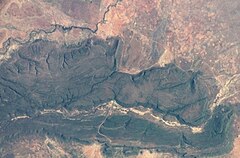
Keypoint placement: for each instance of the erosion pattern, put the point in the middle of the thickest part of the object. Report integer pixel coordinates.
(44, 75)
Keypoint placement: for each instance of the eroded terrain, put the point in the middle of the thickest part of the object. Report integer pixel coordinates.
(117, 78)
(44, 75)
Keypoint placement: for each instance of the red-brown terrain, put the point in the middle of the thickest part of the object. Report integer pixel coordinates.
(197, 35)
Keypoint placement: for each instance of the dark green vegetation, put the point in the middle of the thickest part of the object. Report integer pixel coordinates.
(215, 139)
(42, 75)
